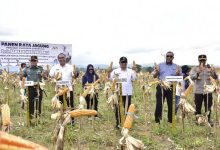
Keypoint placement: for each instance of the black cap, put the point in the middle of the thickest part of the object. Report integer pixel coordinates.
(202, 57)
(33, 57)
(185, 69)
(123, 60)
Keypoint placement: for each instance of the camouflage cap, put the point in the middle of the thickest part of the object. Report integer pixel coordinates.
(34, 58)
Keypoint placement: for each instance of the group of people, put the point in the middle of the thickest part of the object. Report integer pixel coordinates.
(199, 74)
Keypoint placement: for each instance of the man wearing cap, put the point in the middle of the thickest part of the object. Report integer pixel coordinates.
(164, 69)
(201, 75)
(125, 76)
(34, 73)
(67, 75)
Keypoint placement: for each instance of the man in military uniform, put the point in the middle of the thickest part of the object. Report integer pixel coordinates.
(34, 73)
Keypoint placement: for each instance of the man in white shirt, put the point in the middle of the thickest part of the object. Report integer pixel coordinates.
(67, 74)
(125, 76)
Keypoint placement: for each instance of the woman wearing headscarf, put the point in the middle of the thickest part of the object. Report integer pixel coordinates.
(90, 77)
(182, 86)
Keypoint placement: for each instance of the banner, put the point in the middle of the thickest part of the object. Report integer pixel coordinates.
(13, 53)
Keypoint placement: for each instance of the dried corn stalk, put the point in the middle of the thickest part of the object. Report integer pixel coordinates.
(186, 107)
(113, 99)
(127, 140)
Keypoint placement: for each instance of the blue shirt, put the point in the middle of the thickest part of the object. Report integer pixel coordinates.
(166, 70)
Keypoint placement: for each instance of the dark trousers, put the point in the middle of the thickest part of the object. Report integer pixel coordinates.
(116, 107)
(199, 98)
(168, 94)
(34, 100)
(70, 102)
(90, 104)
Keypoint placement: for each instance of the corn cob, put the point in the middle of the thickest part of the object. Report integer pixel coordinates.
(55, 102)
(22, 82)
(90, 87)
(42, 84)
(156, 67)
(113, 85)
(107, 87)
(74, 69)
(134, 66)
(62, 91)
(110, 67)
(8, 141)
(113, 99)
(188, 90)
(58, 75)
(130, 117)
(165, 85)
(20, 72)
(85, 93)
(154, 82)
(5, 111)
(82, 112)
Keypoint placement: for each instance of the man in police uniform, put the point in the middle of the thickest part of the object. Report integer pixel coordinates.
(201, 75)
(34, 73)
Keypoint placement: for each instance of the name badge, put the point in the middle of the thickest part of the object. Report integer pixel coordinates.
(122, 80)
(174, 78)
(29, 83)
(63, 83)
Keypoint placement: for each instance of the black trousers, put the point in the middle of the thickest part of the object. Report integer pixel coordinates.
(199, 98)
(34, 101)
(168, 94)
(89, 102)
(70, 102)
(116, 108)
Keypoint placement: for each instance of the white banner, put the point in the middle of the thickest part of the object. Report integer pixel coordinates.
(13, 53)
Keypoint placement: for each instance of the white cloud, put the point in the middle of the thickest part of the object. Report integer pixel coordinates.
(111, 29)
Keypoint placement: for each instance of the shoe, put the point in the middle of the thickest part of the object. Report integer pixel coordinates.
(117, 126)
(97, 118)
(211, 123)
(157, 121)
(72, 123)
(157, 125)
(90, 118)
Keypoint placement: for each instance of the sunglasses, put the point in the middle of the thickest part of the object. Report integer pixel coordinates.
(91, 69)
(34, 60)
(202, 60)
(169, 56)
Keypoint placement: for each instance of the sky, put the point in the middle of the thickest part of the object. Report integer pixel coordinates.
(102, 31)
